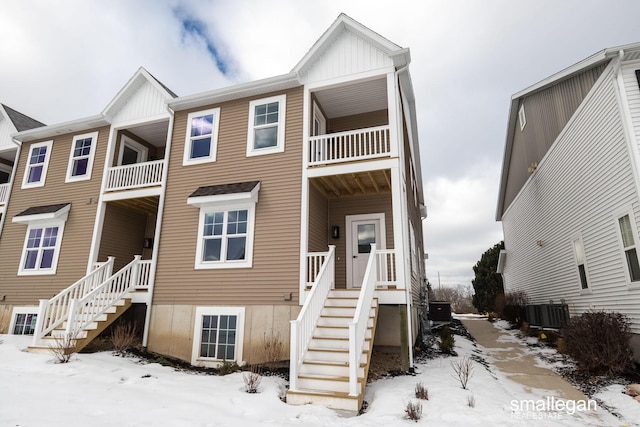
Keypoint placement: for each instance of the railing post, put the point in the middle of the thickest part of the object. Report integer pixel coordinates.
(37, 334)
(135, 271)
(354, 360)
(71, 318)
(293, 355)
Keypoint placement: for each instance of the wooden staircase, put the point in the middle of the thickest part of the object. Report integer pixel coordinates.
(87, 334)
(323, 377)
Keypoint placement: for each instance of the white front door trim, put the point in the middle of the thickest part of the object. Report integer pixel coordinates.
(381, 244)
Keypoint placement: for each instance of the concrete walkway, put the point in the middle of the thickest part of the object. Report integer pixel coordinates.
(512, 359)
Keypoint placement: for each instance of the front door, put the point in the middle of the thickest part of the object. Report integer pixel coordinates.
(363, 231)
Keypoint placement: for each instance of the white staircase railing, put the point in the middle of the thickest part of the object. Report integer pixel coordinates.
(53, 312)
(358, 326)
(85, 310)
(350, 145)
(302, 328)
(315, 261)
(136, 175)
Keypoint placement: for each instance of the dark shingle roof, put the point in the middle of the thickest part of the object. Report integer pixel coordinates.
(215, 190)
(20, 121)
(172, 93)
(37, 210)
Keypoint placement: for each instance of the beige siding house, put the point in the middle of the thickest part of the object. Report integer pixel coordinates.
(288, 208)
(569, 194)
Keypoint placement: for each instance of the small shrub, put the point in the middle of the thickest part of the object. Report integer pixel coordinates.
(422, 392)
(471, 401)
(272, 350)
(599, 341)
(447, 341)
(414, 410)
(514, 308)
(123, 337)
(63, 349)
(463, 369)
(252, 380)
(228, 368)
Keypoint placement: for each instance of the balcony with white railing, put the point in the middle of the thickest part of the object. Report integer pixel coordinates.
(135, 176)
(340, 147)
(4, 193)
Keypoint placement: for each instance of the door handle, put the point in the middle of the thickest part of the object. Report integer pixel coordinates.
(355, 256)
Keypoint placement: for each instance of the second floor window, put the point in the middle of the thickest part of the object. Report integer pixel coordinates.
(266, 126)
(629, 244)
(81, 157)
(36, 171)
(202, 137)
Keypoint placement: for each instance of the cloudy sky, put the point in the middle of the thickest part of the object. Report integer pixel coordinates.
(63, 60)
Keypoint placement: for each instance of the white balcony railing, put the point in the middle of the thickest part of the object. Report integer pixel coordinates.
(386, 268)
(4, 193)
(315, 261)
(137, 175)
(347, 146)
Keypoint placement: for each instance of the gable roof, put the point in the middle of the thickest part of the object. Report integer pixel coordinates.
(20, 121)
(400, 56)
(630, 51)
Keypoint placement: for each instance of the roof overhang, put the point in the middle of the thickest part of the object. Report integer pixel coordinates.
(43, 213)
(225, 193)
(79, 125)
(254, 88)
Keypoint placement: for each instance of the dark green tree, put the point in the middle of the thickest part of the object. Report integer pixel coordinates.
(489, 291)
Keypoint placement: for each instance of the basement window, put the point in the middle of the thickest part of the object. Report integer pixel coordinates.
(218, 336)
(23, 321)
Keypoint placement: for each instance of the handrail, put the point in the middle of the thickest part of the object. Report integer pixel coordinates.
(356, 144)
(4, 193)
(135, 175)
(302, 328)
(358, 326)
(85, 310)
(55, 311)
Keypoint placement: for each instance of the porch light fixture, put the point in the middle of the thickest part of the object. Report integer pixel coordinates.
(335, 231)
(148, 243)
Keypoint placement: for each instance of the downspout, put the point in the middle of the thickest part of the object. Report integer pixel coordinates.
(156, 237)
(403, 205)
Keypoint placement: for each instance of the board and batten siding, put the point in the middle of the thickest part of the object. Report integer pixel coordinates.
(547, 112)
(582, 183)
(76, 240)
(276, 250)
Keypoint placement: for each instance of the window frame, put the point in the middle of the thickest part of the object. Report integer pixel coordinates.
(45, 165)
(584, 280)
(90, 157)
(59, 223)
(623, 248)
(280, 139)
(14, 315)
(143, 152)
(198, 360)
(213, 149)
(226, 202)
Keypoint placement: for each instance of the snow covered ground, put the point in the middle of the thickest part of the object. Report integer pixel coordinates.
(105, 390)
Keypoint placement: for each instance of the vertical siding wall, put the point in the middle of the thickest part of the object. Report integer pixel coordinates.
(584, 180)
(76, 241)
(276, 251)
(547, 113)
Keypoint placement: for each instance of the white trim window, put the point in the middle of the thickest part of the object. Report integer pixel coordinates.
(627, 234)
(201, 141)
(131, 152)
(23, 320)
(218, 336)
(266, 125)
(41, 249)
(226, 229)
(35, 172)
(83, 150)
(581, 262)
